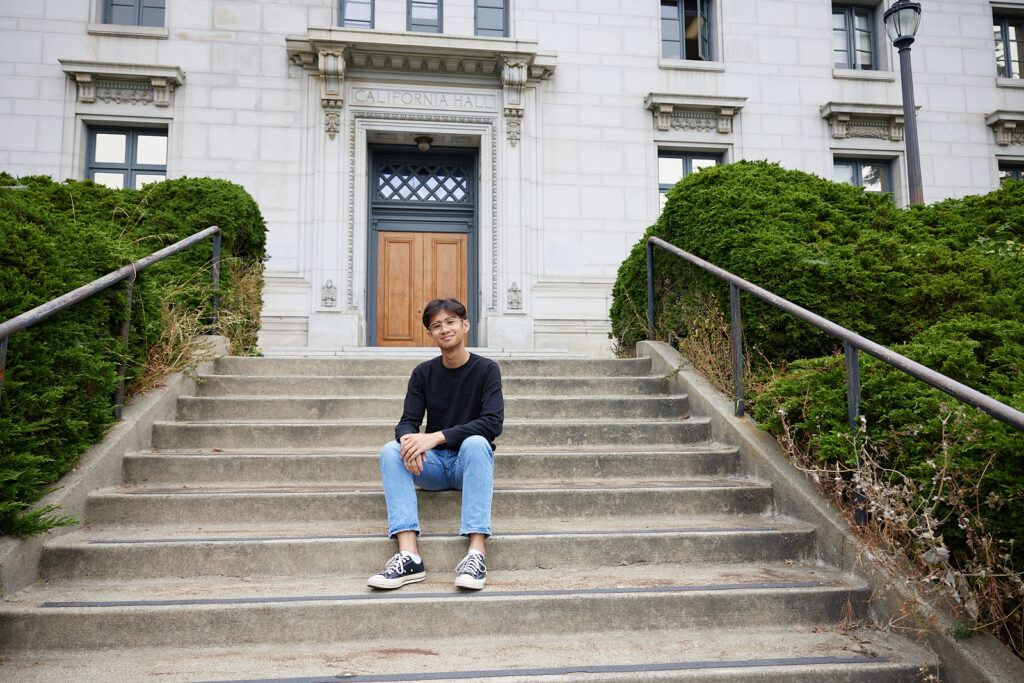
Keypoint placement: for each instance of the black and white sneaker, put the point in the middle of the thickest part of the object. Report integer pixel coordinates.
(400, 570)
(471, 573)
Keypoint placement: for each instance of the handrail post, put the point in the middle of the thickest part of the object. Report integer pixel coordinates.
(215, 276)
(126, 326)
(736, 334)
(650, 290)
(3, 362)
(853, 417)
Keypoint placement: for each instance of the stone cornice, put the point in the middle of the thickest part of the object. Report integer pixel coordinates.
(1008, 126)
(851, 120)
(698, 112)
(123, 83)
(384, 51)
(332, 54)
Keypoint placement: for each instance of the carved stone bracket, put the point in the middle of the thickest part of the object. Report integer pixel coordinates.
(694, 112)
(332, 78)
(879, 122)
(124, 83)
(513, 81)
(1008, 127)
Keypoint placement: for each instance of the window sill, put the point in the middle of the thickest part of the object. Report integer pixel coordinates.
(159, 32)
(690, 65)
(1002, 82)
(864, 74)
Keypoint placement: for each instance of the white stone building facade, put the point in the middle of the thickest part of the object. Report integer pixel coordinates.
(550, 125)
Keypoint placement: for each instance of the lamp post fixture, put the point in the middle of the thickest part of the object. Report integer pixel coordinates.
(901, 23)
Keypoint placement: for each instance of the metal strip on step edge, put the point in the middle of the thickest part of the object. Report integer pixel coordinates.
(582, 669)
(411, 596)
(333, 537)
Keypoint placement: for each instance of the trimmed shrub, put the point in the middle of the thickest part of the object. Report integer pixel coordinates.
(57, 396)
(940, 284)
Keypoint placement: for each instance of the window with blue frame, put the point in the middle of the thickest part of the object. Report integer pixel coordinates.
(424, 16)
(686, 29)
(874, 175)
(853, 37)
(126, 157)
(491, 18)
(1009, 36)
(674, 166)
(134, 12)
(355, 13)
(1011, 172)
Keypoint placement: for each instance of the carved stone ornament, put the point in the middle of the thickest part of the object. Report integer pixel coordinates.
(329, 295)
(1008, 127)
(694, 112)
(332, 122)
(513, 130)
(133, 84)
(878, 122)
(515, 298)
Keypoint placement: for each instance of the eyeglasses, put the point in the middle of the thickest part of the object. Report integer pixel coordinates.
(447, 322)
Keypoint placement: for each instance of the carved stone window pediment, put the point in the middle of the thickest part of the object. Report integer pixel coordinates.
(1008, 127)
(876, 121)
(124, 83)
(693, 112)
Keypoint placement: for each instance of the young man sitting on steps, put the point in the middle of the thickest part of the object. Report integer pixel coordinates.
(461, 394)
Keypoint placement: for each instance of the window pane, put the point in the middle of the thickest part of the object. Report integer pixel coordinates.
(115, 181)
(843, 173)
(146, 178)
(152, 150)
(424, 11)
(489, 19)
(839, 21)
(872, 177)
(670, 170)
(110, 148)
(698, 164)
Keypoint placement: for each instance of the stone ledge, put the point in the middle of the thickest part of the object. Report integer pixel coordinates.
(979, 658)
(99, 467)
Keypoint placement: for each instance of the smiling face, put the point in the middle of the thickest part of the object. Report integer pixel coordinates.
(447, 330)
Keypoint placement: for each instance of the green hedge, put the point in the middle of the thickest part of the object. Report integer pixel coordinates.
(57, 396)
(850, 256)
(941, 284)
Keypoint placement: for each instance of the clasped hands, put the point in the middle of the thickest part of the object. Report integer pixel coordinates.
(414, 448)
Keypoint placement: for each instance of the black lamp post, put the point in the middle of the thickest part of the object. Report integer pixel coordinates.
(901, 23)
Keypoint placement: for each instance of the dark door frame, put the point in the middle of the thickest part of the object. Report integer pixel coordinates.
(420, 216)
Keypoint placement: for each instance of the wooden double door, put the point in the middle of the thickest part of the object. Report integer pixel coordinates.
(412, 269)
(422, 238)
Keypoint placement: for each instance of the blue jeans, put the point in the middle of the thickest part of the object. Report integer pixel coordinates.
(469, 469)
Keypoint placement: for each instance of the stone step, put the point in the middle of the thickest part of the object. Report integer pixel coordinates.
(795, 654)
(215, 611)
(395, 385)
(519, 367)
(135, 506)
(305, 550)
(214, 409)
(341, 434)
(299, 467)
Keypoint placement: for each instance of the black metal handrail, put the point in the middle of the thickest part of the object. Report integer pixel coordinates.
(851, 343)
(129, 272)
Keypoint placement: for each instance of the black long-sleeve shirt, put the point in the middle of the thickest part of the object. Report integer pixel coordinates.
(460, 402)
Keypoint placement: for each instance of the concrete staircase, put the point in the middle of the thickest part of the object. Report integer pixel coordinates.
(628, 545)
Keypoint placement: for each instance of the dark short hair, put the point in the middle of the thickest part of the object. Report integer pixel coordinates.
(449, 305)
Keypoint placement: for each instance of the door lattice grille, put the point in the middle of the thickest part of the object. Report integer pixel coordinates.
(441, 183)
